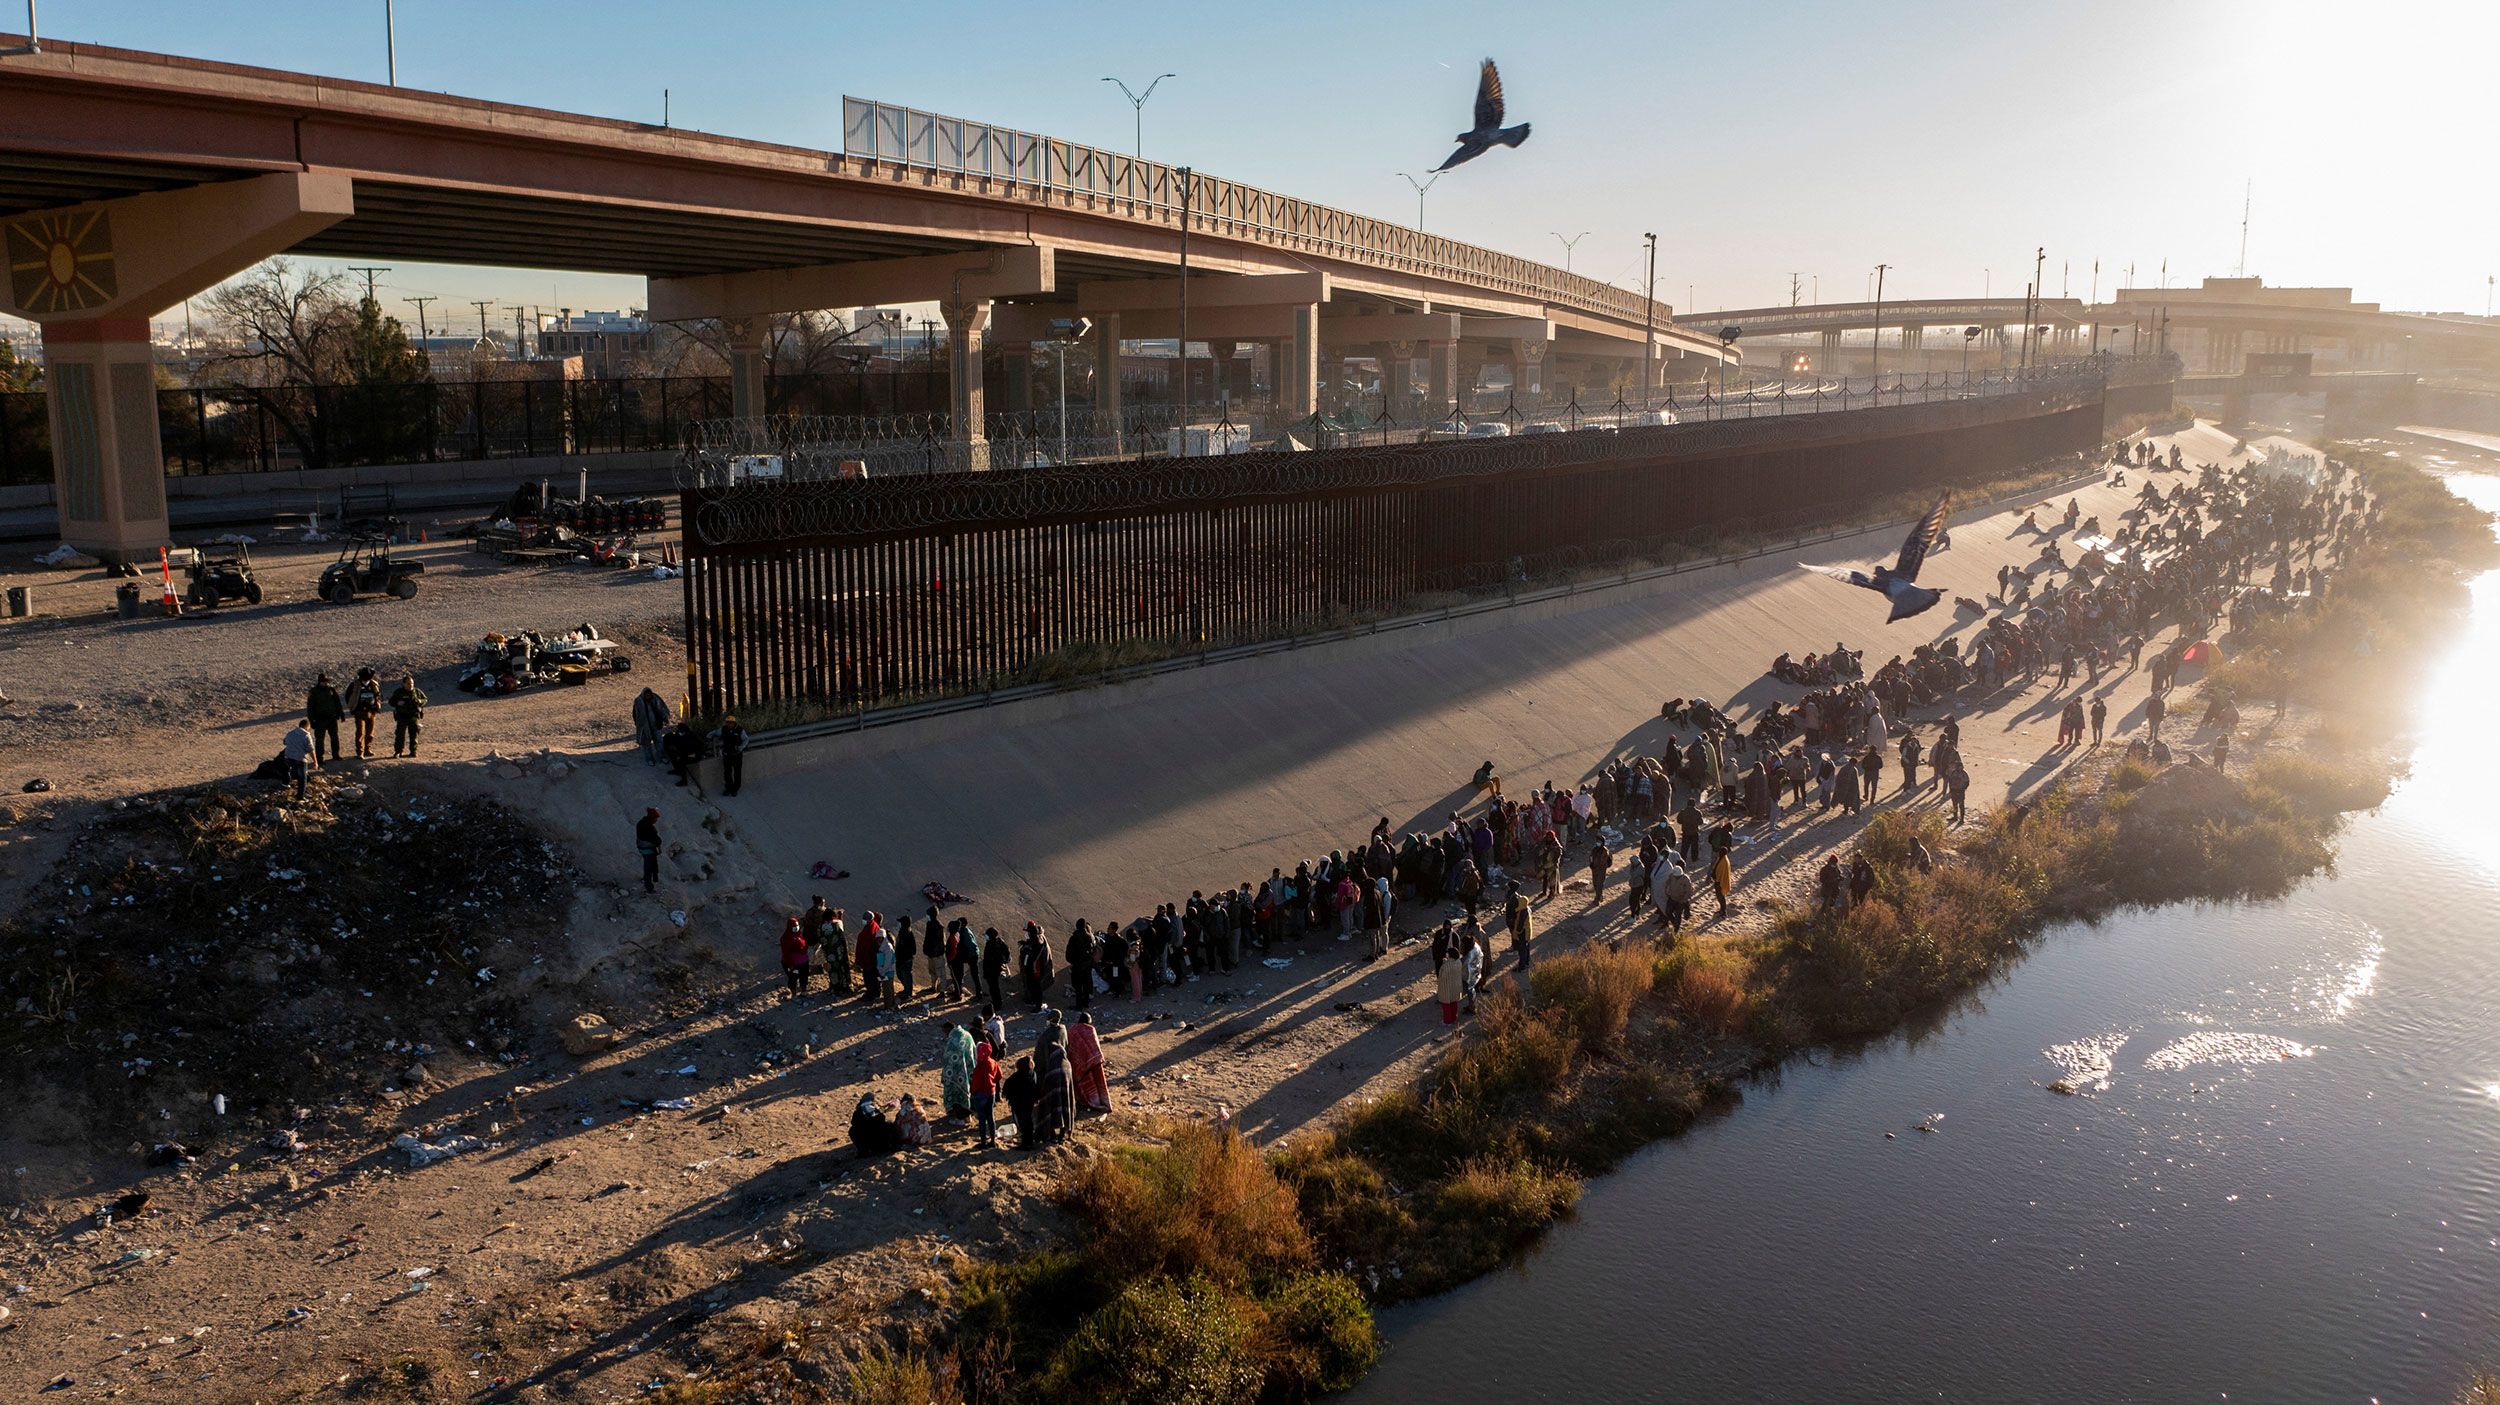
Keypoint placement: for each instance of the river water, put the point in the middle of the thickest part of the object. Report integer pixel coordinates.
(2283, 1192)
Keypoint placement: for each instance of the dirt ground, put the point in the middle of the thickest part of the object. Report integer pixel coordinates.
(618, 1216)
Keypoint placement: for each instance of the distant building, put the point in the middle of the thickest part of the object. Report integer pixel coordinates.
(606, 342)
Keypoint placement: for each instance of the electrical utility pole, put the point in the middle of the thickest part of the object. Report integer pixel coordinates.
(2248, 195)
(481, 305)
(423, 336)
(1649, 324)
(1875, 348)
(369, 274)
(2039, 265)
(1794, 281)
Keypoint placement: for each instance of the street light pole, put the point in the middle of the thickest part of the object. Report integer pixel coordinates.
(1574, 242)
(1649, 324)
(1137, 101)
(1422, 188)
(390, 40)
(1875, 350)
(1184, 346)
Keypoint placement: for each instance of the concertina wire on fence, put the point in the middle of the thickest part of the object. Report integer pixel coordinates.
(728, 516)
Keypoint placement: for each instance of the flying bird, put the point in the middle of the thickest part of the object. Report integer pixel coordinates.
(1489, 128)
(1899, 581)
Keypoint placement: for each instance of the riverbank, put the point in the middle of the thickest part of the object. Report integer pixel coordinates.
(1607, 1048)
(741, 1221)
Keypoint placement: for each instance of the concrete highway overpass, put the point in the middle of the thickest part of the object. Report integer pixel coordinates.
(2214, 327)
(130, 180)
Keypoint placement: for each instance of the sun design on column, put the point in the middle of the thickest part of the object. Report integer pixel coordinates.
(61, 263)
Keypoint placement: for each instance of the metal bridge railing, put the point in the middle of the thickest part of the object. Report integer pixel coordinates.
(1112, 182)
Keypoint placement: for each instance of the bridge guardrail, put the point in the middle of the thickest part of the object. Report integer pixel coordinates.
(904, 136)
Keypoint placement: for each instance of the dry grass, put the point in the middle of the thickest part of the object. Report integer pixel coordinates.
(1595, 991)
(1206, 1203)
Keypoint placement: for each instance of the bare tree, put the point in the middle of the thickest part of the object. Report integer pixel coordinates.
(337, 378)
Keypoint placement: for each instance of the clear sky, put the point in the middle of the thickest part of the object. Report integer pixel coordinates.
(1946, 138)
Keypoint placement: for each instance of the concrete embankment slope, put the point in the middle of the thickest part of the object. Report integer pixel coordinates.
(1101, 804)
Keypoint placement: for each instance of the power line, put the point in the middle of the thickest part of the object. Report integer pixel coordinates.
(369, 273)
(423, 335)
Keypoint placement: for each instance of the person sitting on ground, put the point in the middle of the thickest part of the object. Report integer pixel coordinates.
(1487, 781)
(911, 1125)
(872, 1132)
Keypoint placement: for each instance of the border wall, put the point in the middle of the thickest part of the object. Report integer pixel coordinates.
(843, 594)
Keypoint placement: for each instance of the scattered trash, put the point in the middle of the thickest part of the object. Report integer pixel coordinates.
(677, 915)
(687, 1072)
(424, 1153)
(1277, 962)
(827, 872)
(37, 786)
(673, 1105)
(218, 1102)
(939, 895)
(420, 1273)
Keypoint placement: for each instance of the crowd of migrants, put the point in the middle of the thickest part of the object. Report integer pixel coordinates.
(1682, 811)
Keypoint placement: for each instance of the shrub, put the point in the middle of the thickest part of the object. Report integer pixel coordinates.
(1488, 1212)
(2318, 788)
(1592, 991)
(1710, 994)
(1188, 1343)
(1322, 1337)
(888, 1377)
(1206, 1203)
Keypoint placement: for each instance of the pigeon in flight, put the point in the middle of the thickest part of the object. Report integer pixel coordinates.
(1489, 128)
(1899, 581)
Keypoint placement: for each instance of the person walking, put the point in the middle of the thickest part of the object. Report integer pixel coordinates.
(364, 703)
(647, 844)
(650, 724)
(1957, 786)
(323, 708)
(2154, 710)
(298, 751)
(1600, 859)
(794, 959)
(1722, 878)
(732, 739)
(407, 715)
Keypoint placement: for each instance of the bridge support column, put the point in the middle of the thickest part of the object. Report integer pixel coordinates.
(1471, 359)
(1440, 377)
(1106, 343)
(1527, 372)
(1397, 366)
(744, 338)
(1827, 357)
(109, 469)
(91, 275)
(965, 324)
(1297, 366)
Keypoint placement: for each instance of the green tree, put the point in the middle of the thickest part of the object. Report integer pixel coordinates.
(340, 381)
(18, 374)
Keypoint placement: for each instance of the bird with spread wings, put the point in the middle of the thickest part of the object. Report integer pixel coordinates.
(1488, 129)
(1899, 581)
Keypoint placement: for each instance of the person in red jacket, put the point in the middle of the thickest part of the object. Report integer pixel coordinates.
(985, 1078)
(866, 957)
(794, 958)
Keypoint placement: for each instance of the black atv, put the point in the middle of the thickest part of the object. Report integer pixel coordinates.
(365, 567)
(219, 574)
